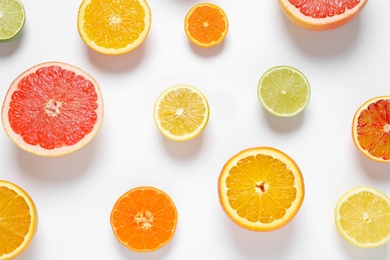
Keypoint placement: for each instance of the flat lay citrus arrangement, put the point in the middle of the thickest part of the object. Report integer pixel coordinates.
(55, 108)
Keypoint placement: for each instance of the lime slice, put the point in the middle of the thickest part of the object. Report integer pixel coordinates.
(12, 18)
(283, 91)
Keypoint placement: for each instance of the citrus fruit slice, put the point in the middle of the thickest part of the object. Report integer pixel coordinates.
(144, 219)
(362, 217)
(319, 15)
(206, 25)
(52, 109)
(114, 27)
(283, 91)
(371, 129)
(261, 188)
(181, 112)
(18, 220)
(12, 19)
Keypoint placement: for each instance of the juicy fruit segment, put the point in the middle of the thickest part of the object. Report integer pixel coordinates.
(362, 217)
(52, 109)
(114, 27)
(261, 188)
(283, 91)
(206, 25)
(18, 220)
(371, 129)
(181, 112)
(323, 14)
(12, 19)
(144, 219)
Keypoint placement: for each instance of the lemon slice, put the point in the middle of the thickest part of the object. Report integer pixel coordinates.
(362, 217)
(283, 91)
(181, 112)
(12, 19)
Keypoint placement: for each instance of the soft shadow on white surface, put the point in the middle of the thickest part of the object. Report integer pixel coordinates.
(356, 253)
(324, 44)
(262, 245)
(8, 48)
(282, 124)
(120, 63)
(208, 52)
(375, 170)
(60, 168)
(185, 150)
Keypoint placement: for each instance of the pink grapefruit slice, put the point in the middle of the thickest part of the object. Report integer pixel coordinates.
(52, 109)
(321, 14)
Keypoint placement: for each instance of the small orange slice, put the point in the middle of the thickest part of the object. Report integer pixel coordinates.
(18, 220)
(144, 219)
(206, 25)
(261, 188)
(371, 129)
(114, 27)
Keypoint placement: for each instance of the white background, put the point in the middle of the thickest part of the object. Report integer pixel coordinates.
(74, 194)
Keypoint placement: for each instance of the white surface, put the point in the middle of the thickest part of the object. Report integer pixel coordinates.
(75, 194)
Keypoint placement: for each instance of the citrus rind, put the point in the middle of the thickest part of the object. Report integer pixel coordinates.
(319, 24)
(258, 226)
(187, 136)
(354, 128)
(34, 219)
(36, 149)
(344, 198)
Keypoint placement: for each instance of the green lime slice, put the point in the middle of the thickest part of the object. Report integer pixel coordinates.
(283, 91)
(12, 18)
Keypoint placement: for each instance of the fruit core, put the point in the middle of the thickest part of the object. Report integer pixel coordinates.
(261, 187)
(179, 112)
(387, 128)
(115, 20)
(52, 107)
(1, 14)
(144, 219)
(324, 8)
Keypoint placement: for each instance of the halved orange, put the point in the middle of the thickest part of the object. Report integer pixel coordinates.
(144, 219)
(52, 109)
(114, 27)
(18, 220)
(206, 25)
(371, 129)
(261, 188)
(321, 14)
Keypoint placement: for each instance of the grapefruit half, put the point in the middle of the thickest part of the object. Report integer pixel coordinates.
(52, 109)
(321, 14)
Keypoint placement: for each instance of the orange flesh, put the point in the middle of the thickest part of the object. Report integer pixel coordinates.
(144, 219)
(15, 213)
(373, 129)
(206, 24)
(53, 107)
(261, 188)
(114, 24)
(323, 8)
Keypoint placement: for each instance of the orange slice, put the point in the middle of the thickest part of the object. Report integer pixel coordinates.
(52, 109)
(206, 25)
(261, 188)
(18, 220)
(371, 129)
(144, 219)
(114, 27)
(321, 14)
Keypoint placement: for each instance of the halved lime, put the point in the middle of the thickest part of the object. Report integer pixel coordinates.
(283, 91)
(12, 18)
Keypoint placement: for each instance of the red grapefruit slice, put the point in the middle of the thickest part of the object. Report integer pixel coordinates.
(52, 109)
(321, 14)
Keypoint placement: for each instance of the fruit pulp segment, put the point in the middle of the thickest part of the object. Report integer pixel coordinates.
(324, 8)
(181, 112)
(261, 188)
(11, 18)
(284, 91)
(373, 129)
(365, 217)
(206, 24)
(53, 107)
(15, 220)
(144, 219)
(114, 24)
